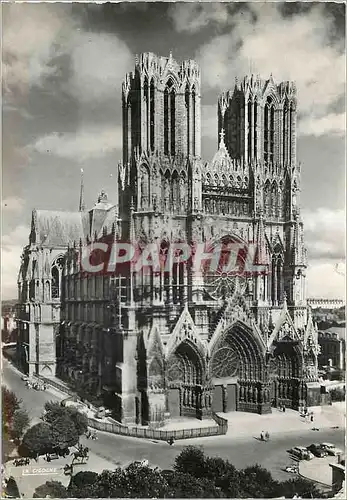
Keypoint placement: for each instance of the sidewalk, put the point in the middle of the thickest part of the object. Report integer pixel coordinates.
(243, 424)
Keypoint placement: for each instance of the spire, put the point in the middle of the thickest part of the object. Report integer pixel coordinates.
(296, 242)
(82, 205)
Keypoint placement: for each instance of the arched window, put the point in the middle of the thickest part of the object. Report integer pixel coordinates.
(172, 122)
(169, 118)
(175, 192)
(151, 114)
(187, 102)
(255, 114)
(144, 187)
(291, 111)
(267, 198)
(284, 132)
(55, 283)
(183, 192)
(249, 129)
(277, 280)
(146, 99)
(56, 271)
(166, 121)
(194, 120)
(269, 130)
(274, 200)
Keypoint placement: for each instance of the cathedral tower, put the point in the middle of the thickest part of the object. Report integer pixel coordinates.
(259, 119)
(161, 108)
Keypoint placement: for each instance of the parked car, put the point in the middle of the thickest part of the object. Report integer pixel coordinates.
(317, 450)
(142, 463)
(331, 449)
(301, 453)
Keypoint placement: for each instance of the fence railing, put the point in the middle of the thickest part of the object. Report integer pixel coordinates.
(219, 429)
(158, 434)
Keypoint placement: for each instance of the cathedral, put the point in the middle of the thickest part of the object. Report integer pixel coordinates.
(174, 342)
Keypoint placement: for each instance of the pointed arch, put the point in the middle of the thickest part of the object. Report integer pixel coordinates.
(187, 97)
(145, 187)
(193, 120)
(274, 199)
(175, 191)
(152, 114)
(269, 129)
(267, 197)
(169, 117)
(237, 353)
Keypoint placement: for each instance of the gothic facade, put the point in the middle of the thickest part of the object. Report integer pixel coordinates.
(179, 342)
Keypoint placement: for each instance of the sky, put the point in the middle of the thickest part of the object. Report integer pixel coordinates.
(63, 65)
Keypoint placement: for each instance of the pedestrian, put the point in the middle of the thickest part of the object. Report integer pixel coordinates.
(262, 436)
(311, 417)
(267, 436)
(284, 408)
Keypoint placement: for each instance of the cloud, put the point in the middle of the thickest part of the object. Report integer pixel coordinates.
(324, 281)
(11, 249)
(333, 124)
(12, 204)
(193, 17)
(89, 142)
(302, 47)
(32, 35)
(325, 234)
(98, 65)
(42, 41)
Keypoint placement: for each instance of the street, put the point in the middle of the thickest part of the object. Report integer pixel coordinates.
(33, 401)
(241, 451)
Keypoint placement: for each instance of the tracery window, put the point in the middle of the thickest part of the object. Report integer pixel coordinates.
(269, 130)
(169, 118)
(193, 113)
(151, 115)
(144, 187)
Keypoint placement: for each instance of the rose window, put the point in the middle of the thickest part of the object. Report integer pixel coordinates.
(224, 277)
(225, 363)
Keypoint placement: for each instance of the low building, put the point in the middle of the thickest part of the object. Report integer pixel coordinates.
(332, 343)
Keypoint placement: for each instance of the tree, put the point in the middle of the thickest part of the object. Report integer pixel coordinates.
(54, 411)
(64, 432)
(81, 485)
(10, 403)
(257, 482)
(182, 485)
(298, 486)
(51, 489)
(143, 482)
(38, 440)
(80, 420)
(20, 422)
(11, 489)
(191, 460)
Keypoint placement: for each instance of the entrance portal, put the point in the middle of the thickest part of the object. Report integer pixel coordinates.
(231, 401)
(217, 401)
(174, 402)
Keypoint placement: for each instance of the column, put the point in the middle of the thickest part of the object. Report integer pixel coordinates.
(143, 119)
(251, 132)
(129, 131)
(293, 135)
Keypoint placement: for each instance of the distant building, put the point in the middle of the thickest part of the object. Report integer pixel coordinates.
(333, 344)
(325, 303)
